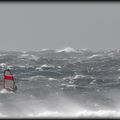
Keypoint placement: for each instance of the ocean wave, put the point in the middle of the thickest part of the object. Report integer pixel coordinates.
(75, 114)
(67, 49)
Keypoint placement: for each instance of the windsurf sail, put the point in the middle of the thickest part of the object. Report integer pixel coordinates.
(9, 82)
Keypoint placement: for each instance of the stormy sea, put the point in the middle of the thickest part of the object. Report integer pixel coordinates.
(66, 83)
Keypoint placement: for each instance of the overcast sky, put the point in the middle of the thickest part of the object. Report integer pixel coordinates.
(38, 25)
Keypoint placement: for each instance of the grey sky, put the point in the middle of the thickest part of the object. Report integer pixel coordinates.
(37, 25)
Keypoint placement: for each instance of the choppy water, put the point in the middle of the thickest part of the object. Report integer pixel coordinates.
(64, 87)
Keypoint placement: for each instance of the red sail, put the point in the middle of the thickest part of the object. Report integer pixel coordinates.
(8, 77)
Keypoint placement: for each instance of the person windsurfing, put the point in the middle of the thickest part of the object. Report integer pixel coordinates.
(9, 82)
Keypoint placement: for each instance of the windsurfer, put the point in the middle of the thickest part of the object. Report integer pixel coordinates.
(9, 82)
